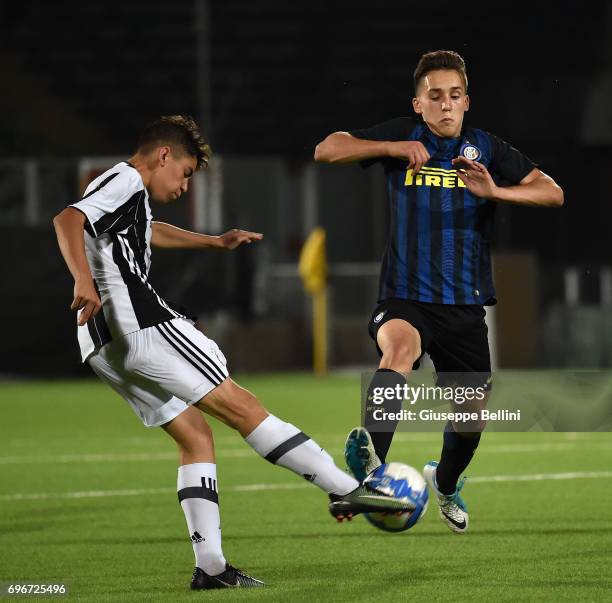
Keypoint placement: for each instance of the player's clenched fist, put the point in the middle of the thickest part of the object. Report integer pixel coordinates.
(235, 237)
(413, 151)
(85, 299)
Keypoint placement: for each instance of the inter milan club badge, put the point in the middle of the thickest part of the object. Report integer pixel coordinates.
(469, 151)
(379, 316)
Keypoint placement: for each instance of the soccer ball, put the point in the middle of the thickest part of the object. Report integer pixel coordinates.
(400, 481)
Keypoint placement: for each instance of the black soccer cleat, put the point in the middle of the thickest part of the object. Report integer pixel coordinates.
(230, 578)
(365, 499)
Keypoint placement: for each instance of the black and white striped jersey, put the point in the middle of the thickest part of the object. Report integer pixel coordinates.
(118, 248)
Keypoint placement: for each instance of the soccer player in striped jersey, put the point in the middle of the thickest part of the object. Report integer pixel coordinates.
(150, 352)
(444, 180)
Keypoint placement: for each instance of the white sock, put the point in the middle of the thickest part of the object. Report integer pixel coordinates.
(197, 491)
(285, 445)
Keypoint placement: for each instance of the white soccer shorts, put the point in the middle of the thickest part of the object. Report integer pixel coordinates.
(162, 369)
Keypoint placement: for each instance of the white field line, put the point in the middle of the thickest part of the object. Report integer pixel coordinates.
(248, 453)
(538, 477)
(483, 479)
(230, 440)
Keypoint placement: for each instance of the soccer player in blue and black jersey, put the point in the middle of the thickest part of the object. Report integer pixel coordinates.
(444, 180)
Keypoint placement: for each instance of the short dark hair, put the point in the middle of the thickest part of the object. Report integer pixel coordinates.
(176, 130)
(439, 59)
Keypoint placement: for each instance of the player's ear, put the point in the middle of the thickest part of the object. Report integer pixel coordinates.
(416, 105)
(466, 100)
(162, 155)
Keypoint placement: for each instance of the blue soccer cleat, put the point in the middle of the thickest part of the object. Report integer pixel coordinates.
(361, 458)
(453, 510)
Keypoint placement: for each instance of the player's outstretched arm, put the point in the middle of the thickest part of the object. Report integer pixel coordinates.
(536, 189)
(341, 147)
(69, 230)
(168, 236)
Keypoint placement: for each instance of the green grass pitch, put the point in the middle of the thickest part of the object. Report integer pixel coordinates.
(87, 497)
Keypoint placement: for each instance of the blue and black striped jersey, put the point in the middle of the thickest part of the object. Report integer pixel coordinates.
(438, 249)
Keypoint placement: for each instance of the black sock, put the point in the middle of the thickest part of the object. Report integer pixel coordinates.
(457, 452)
(382, 431)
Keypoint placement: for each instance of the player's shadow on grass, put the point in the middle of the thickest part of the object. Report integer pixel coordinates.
(428, 533)
(374, 536)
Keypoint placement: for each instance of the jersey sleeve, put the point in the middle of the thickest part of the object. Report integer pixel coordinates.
(105, 202)
(392, 130)
(507, 162)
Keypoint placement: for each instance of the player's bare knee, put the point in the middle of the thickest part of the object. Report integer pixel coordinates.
(191, 432)
(195, 443)
(204, 432)
(400, 357)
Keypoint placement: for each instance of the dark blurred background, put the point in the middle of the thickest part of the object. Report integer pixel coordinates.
(268, 80)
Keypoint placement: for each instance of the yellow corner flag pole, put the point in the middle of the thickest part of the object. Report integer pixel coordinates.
(313, 270)
(319, 332)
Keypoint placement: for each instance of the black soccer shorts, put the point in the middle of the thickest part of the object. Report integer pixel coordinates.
(455, 337)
